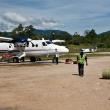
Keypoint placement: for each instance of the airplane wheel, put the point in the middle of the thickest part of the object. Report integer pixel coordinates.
(38, 59)
(15, 60)
(32, 59)
(22, 59)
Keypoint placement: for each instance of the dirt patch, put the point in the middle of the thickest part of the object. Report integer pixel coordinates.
(55, 87)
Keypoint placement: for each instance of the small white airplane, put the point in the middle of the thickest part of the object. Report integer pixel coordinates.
(89, 50)
(58, 41)
(23, 47)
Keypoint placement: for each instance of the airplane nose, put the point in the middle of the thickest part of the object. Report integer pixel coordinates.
(64, 50)
(60, 49)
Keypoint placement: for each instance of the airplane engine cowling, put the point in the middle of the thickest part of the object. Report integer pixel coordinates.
(20, 41)
(6, 47)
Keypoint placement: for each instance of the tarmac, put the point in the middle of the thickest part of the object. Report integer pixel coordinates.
(47, 86)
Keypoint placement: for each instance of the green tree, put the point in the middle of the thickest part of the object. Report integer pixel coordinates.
(76, 39)
(17, 31)
(29, 31)
(91, 37)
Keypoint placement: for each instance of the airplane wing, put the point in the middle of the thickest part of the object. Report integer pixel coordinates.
(4, 39)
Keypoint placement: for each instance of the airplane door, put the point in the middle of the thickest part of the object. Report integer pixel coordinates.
(45, 48)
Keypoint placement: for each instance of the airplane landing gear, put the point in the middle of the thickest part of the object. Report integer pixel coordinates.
(54, 59)
(32, 59)
(22, 59)
(38, 59)
(15, 60)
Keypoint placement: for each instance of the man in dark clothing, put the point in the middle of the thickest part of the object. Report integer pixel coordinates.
(81, 59)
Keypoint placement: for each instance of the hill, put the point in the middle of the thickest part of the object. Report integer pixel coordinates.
(107, 33)
(47, 34)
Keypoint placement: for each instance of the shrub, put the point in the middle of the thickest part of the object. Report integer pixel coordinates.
(106, 74)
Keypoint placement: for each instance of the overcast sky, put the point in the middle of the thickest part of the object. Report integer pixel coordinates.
(68, 15)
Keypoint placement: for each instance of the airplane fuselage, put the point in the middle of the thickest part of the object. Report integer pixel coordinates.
(34, 48)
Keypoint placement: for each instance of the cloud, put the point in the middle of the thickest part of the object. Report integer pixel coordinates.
(76, 15)
(49, 24)
(46, 24)
(10, 20)
(3, 26)
(14, 18)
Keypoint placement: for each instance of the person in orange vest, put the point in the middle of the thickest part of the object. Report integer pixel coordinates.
(81, 59)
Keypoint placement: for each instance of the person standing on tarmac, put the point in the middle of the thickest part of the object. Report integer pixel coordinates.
(57, 56)
(81, 59)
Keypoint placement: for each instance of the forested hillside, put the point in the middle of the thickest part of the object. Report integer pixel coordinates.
(90, 37)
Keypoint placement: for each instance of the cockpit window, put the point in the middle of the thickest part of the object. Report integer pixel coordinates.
(48, 42)
(44, 44)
